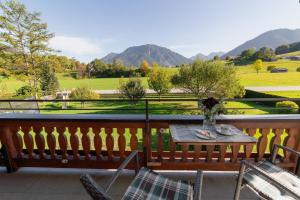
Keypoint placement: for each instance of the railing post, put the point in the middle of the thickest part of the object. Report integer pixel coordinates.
(9, 150)
(11, 108)
(147, 135)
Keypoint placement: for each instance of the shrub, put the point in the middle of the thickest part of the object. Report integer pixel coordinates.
(269, 68)
(298, 69)
(132, 89)
(287, 107)
(25, 91)
(83, 93)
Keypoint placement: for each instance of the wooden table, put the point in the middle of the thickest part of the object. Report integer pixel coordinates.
(184, 135)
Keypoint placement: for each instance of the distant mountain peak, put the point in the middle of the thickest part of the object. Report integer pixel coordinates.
(213, 54)
(207, 57)
(200, 56)
(152, 53)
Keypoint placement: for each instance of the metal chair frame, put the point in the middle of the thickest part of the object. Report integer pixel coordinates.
(240, 184)
(101, 193)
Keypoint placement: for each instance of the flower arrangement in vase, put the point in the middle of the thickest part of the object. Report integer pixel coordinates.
(211, 108)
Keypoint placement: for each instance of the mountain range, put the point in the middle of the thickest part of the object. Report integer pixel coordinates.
(271, 39)
(166, 57)
(207, 57)
(150, 52)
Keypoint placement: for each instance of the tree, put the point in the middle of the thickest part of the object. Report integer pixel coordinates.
(118, 63)
(144, 68)
(132, 89)
(265, 54)
(216, 57)
(285, 48)
(245, 57)
(258, 65)
(24, 32)
(160, 81)
(60, 63)
(48, 81)
(81, 69)
(99, 69)
(247, 54)
(208, 79)
(96, 68)
(54, 62)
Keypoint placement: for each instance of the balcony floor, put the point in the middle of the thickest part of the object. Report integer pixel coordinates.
(63, 184)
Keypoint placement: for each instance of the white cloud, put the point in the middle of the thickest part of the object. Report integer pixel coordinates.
(75, 46)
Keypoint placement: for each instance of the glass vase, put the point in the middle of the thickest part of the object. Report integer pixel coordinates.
(209, 122)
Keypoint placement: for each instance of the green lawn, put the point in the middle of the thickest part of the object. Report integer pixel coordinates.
(295, 53)
(270, 79)
(246, 79)
(68, 82)
(290, 94)
(11, 84)
(163, 107)
(246, 74)
(289, 64)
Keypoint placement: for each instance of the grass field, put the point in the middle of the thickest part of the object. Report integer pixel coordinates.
(163, 107)
(295, 53)
(68, 82)
(289, 64)
(246, 74)
(290, 94)
(270, 79)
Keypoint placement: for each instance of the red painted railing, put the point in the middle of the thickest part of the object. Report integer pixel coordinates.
(103, 141)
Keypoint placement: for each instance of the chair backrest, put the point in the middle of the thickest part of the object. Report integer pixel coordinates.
(96, 192)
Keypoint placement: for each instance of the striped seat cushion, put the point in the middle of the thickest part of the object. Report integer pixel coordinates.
(150, 185)
(265, 187)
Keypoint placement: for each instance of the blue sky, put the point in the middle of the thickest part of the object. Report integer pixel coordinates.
(88, 29)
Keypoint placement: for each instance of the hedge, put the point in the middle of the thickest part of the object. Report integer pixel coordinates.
(255, 94)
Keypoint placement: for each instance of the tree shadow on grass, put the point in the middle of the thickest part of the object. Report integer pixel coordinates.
(117, 107)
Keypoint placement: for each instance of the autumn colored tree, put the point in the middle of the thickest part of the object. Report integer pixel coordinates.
(160, 80)
(144, 68)
(81, 70)
(258, 65)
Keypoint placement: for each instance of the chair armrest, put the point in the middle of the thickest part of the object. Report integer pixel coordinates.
(96, 192)
(266, 175)
(287, 149)
(278, 146)
(198, 185)
(134, 154)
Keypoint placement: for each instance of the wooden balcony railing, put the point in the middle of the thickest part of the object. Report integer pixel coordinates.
(103, 141)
